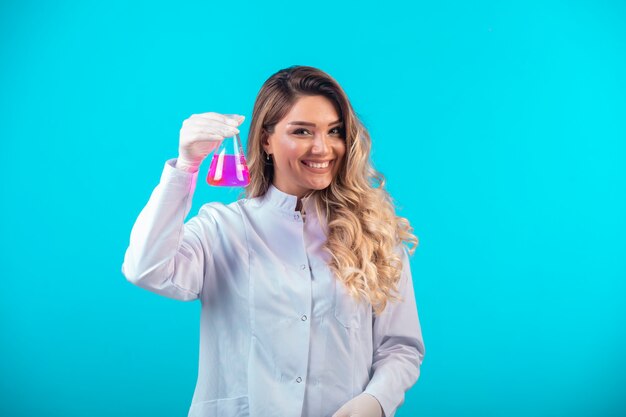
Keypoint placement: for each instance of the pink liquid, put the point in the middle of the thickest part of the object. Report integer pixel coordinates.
(228, 172)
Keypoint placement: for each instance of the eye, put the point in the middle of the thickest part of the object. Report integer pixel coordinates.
(336, 131)
(300, 131)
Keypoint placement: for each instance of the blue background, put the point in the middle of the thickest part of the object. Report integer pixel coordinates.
(501, 129)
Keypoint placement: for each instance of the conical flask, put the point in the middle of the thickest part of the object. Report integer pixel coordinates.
(228, 166)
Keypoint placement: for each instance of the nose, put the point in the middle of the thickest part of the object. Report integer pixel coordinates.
(320, 144)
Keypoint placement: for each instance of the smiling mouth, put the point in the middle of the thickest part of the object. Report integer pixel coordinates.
(317, 165)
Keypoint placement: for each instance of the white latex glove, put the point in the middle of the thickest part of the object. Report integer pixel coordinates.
(201, 134)
(363, 405)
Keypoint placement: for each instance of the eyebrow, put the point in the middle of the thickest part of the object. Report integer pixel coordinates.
(311, 124)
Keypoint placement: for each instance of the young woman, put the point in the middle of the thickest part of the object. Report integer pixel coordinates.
(307, 298)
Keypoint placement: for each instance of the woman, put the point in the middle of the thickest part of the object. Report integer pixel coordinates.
(306, 290)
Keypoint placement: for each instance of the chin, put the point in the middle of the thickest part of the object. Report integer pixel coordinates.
(320, 185)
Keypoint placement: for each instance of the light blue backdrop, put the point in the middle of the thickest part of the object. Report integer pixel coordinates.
(500, 126)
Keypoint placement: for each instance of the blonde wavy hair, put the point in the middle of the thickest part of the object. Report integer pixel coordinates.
(363, 230)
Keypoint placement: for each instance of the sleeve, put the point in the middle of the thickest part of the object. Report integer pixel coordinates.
(165, 255)
(398, 347)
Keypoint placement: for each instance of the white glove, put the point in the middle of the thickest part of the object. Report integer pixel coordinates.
(201, 134)
(363, 405)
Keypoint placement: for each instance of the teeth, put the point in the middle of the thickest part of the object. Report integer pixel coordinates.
(316, 165)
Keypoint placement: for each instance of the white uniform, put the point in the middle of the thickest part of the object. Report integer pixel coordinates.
(280, 336)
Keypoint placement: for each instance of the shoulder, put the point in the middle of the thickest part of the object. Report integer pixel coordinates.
(222, 212)
(402, 251)
(237, 213)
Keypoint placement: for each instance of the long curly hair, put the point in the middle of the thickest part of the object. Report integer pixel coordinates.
(364, 233)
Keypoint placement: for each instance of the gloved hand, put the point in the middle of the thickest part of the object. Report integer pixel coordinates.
(201, 134)
(363, 405)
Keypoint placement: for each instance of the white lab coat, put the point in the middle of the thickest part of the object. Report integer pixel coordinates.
(280, 336)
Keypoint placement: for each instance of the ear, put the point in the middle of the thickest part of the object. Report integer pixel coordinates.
(267, 146)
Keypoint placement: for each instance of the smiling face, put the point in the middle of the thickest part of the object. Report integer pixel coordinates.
(307, 146)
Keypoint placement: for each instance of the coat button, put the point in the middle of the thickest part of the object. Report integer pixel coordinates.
(303, 318)
(296, 216)
(298, 380)
(303, 267)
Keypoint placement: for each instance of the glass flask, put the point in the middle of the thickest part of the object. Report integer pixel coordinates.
(228, 166)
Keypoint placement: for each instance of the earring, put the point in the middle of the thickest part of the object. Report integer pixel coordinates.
(267, 157)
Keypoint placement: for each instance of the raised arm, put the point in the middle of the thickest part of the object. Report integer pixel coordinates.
(165, 255)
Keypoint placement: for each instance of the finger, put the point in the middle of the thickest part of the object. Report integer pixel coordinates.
(210, 137)
(228, 129)
(237, 117)
(205, 147)
(340, 413)
(200, 135)
(202, 126)
(230, 120)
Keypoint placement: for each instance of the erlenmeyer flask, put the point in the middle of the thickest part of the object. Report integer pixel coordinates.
(228, 166)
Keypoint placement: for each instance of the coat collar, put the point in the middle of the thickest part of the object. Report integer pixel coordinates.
(287, 202)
